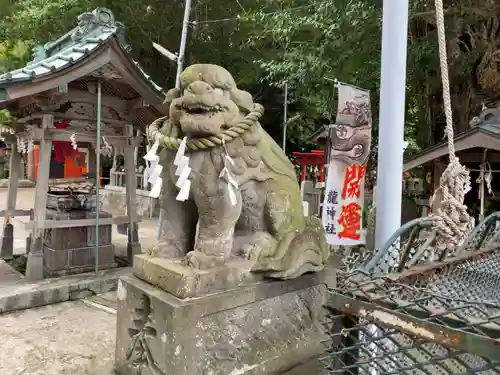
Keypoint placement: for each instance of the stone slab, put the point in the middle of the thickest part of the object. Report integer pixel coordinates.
(8, 275)
(4, 183)
(99, 300)
(24, 295)
(311, 367)
(260, 329)
(187, 282)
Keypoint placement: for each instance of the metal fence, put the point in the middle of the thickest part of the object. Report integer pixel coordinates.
(408, 311)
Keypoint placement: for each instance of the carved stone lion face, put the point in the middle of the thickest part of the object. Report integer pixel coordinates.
(207, 102)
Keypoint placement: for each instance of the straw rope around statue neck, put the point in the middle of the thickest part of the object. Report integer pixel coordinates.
(235, 131)
(453, 224)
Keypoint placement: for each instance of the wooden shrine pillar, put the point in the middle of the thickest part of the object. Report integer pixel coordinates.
(34, 267)
(133, 245)
(7, 240)
(30, 166)
(22, 168)
(112, 175)
(92, 167)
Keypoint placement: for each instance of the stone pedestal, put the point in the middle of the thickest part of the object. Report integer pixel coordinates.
(256, 327)
(72, 250)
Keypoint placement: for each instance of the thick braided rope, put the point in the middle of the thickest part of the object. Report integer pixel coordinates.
(453, 223)
(227, 135)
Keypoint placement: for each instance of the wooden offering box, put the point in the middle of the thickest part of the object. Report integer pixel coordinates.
(72, 250)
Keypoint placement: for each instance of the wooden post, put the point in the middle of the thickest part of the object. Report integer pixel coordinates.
(438, 171)
(34, 267)
(22, 169)
(136, 149)
(133, 246)
(7, 240)
(92, 167)
(112, 173)
(30, 166)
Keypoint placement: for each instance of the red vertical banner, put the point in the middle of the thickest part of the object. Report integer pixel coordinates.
(350, 140)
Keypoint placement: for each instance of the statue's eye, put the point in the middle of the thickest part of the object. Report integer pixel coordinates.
(219, 91)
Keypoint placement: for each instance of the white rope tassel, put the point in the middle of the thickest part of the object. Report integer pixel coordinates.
(106, 149)
(74, 144)
(183, 171)
(22, 145)
(225, 174)
(30, 146)
(488, 178)
(453, 223)
(153, 170)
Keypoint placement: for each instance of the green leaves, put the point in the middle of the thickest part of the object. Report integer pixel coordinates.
(309, 45)
(306, 43)
(14, 54)
(5, 117)
(37, 19)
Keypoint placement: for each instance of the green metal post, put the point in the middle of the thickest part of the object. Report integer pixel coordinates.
(98, 176)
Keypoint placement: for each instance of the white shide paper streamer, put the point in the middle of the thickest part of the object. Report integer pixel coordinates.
(232, 185)
(183, 171)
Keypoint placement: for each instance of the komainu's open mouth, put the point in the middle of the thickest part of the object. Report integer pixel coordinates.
(202, 108)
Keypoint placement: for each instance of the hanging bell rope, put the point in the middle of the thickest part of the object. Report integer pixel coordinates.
(453, 224)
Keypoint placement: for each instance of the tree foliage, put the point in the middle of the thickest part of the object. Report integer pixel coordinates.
(307, 44)
(310, 44)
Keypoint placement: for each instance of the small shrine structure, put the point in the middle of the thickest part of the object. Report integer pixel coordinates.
(478, 148)
(316, 159)
(81, 90)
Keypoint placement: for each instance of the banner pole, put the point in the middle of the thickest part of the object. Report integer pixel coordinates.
(391, 119)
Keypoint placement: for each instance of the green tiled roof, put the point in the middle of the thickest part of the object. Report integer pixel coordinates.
(93, 30)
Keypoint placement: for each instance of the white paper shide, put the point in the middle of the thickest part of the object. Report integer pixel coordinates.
(153, 170)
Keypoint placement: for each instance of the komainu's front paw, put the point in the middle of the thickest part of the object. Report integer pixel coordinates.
(163, 250)
(199, 260)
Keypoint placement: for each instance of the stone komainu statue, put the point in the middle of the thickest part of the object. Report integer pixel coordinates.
(266, 225)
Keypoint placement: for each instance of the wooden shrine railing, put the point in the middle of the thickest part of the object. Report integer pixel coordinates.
(315, 199)
(119, 178)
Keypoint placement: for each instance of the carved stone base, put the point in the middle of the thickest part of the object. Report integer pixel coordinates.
(264, 328)
(184, 282)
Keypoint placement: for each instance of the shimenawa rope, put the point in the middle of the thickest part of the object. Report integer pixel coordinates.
(227, 135)
(453, 223)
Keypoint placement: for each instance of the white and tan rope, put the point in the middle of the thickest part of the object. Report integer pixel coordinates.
(235, 131)
(453, 223)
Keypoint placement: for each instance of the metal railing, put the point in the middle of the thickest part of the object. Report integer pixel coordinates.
(412, 310)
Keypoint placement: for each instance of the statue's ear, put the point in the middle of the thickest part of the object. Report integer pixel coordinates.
(171, 95)
(242, 99)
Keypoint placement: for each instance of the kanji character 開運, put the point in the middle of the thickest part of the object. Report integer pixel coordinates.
(354, 176)
(350, 221)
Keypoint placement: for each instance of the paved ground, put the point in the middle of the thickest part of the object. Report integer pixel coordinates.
(73, 338)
